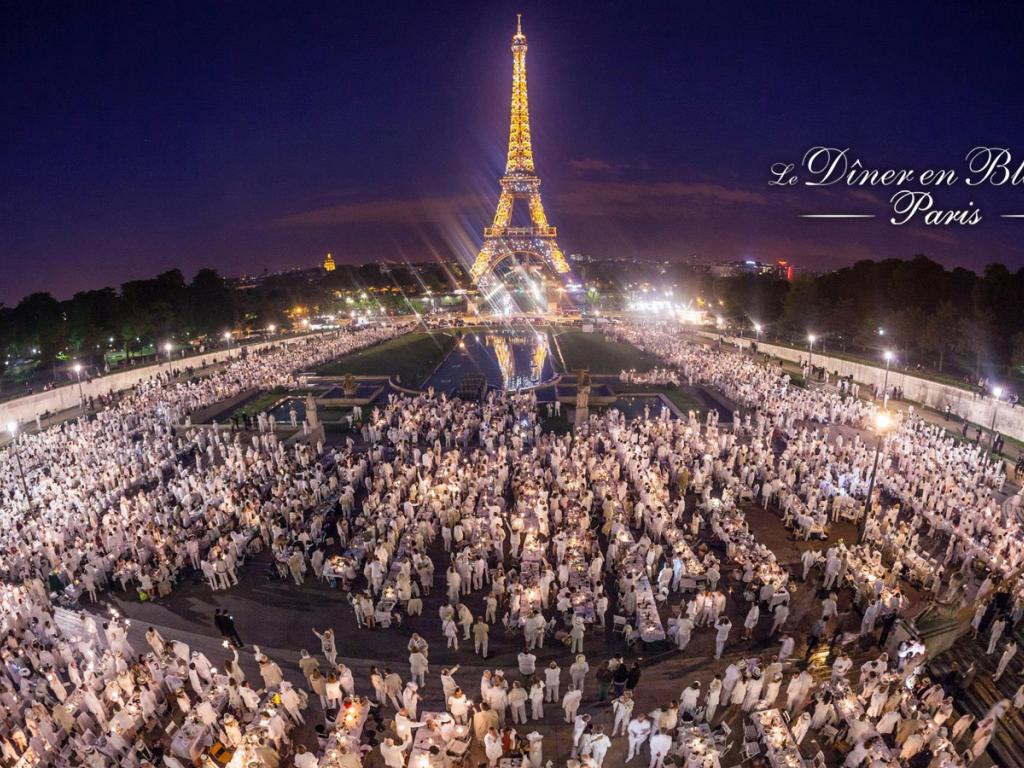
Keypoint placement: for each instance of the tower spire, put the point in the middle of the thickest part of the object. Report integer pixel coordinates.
(520, 148)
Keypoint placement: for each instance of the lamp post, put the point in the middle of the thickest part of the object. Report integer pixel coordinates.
(811, 338)
(997, 392)
(757, 332)
(168, 348)
(12, 427)
(882, 423)
(885, 382)
(77, 368)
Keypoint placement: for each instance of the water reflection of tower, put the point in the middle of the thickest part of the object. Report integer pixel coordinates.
(539, 357)
(506, 361)
(505, 348)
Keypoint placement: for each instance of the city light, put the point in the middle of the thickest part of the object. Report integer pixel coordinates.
(12, 427)
(811, 338)
(997, 392)
(887, 355)
(883, 420)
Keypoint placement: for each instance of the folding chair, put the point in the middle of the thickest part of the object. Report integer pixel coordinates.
(749, 732)
(724, 728)
(458, 751)
(618, 625)
(751, 749)
(818, 761)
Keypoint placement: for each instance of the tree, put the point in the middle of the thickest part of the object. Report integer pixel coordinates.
(38, 323)
(939, 333)
(907, 326)
(92, 317)
(1017, 355)
(211, 306)
(976, 336)
(800, 310)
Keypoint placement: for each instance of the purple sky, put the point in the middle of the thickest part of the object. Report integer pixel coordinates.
(246, 136)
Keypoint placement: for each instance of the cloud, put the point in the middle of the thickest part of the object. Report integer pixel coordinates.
(417, 210)
(592, 164)
(652, 199)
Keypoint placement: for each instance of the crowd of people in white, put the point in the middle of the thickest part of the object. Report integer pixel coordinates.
(638, 526)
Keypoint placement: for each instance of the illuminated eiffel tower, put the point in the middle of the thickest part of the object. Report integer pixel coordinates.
(520, 182)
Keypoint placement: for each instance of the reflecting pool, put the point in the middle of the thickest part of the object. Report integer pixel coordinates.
(507, 359)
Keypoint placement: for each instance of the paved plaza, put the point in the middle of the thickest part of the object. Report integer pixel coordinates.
(720, 547)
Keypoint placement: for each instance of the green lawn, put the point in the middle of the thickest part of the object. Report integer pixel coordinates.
(410, 358)
(261, 403)
(600, 355)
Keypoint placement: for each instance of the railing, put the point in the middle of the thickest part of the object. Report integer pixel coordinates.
(520, 231)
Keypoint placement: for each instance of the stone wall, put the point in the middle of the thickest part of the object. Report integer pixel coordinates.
(1009, 420)
(25, 409)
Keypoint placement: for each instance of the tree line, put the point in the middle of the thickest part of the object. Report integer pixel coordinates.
(142, 314)
(951, 321)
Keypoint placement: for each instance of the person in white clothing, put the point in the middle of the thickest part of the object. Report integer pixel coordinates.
(394, 754)
(661, 743)
(638, 731)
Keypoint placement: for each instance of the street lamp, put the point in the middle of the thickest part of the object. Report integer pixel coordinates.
(811, 338)
(882, 423)
(77, 368)
(997, 392)
(168, 348)
(227, 338)
(885, 382)
(12, 427)
(271, 328)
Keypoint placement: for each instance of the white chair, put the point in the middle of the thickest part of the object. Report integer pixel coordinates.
(458, 751)
(749, 732)
(619, 624)
(751, 749)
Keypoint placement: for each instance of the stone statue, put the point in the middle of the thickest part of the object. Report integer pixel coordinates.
(348, 385)
(582, 397)
(311, 415)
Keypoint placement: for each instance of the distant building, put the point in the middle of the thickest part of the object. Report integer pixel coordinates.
(781, 270)
(329, 263)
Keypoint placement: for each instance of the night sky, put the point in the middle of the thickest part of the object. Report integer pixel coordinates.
(138, 137)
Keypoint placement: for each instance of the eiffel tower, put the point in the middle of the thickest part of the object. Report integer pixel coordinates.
(520, 182)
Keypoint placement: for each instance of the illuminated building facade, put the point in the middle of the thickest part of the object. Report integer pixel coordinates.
(329, 263)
